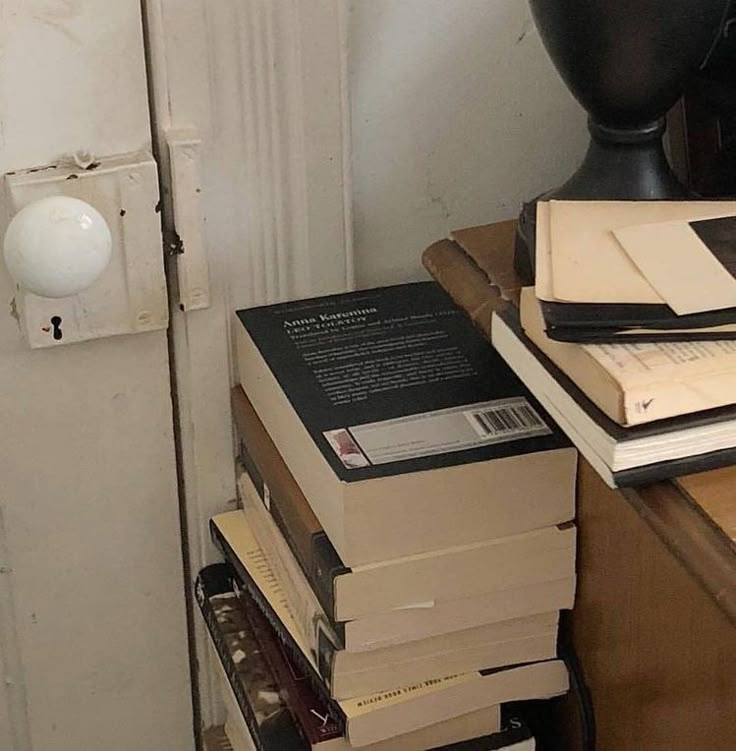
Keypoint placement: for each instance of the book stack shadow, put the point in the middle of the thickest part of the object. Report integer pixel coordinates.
(405, 542)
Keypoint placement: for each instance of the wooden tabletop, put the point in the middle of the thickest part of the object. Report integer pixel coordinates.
(695, 516)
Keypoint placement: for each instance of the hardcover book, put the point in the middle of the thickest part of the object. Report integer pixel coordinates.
(385, 403)
(255, 686)
(403, 709)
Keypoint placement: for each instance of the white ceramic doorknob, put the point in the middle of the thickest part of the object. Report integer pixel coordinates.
(57, 246)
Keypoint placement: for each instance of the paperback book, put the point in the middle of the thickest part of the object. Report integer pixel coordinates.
(623, 456)
(269, 701)
(322, 567)
(401, 710)
(351, 674)
(383, 403)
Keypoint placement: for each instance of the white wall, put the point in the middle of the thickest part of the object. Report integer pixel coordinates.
(458, 116)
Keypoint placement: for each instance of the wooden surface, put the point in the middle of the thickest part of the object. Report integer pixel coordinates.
(654, 624)
(659, 655)
(714, 493)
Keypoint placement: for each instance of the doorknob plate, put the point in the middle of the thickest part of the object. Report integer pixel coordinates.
(130, 294)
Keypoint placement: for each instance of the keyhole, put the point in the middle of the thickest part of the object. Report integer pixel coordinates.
(56, 323)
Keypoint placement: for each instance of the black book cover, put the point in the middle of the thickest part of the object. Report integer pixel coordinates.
(719, 236)
(271, 724)
(585, 323)
(347, 362)
(646, 473)
(589, 323)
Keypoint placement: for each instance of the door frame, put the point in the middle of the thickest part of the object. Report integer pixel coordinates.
(260, 89)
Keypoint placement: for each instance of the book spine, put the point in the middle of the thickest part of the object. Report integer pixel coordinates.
(317, 681)
(327, 567)
(314, 719)
(514, 731)
(322, 564)
(210, 582)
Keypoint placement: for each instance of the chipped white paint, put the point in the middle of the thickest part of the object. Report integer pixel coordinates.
(191, 262)
(97, 655)
(130, 296)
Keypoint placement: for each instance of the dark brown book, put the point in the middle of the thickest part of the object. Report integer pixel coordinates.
(289, 508)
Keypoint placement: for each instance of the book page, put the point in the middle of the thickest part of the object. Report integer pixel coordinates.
(543, 255)
(303, 603)
(679, 265)
(644, 363)
(640, 382)
(588, 263)
(726, 328)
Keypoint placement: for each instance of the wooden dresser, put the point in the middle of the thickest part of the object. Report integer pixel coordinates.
(654, 626)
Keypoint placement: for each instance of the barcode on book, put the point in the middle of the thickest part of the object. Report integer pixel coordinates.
(510, 419)
(467, 426)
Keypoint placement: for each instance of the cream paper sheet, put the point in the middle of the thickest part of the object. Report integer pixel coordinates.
(589, 265)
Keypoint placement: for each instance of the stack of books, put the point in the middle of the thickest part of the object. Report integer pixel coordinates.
(628, 271)
(627, 337)
(405, 541)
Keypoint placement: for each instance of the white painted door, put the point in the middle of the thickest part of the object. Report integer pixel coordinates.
(93, 631)
(243, 104)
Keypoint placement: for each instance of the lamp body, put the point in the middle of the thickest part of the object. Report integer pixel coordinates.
(626, 62)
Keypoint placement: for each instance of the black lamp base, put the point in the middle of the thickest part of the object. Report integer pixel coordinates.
(620, 165)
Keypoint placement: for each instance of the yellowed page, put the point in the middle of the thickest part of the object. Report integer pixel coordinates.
(642, 364)
(639, 382)
(679, 265)
(588, 263)
(542, 260)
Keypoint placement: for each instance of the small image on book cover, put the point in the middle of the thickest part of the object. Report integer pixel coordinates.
(347, 450)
